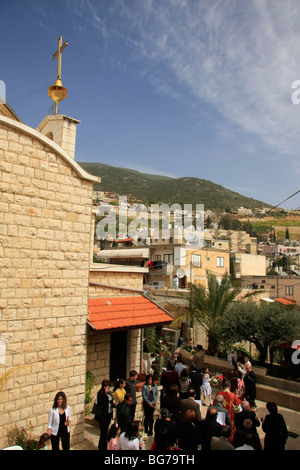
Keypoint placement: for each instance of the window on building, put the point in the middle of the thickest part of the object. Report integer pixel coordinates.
(196, 261)
(289, 290)
(168, 259)
(220, 261)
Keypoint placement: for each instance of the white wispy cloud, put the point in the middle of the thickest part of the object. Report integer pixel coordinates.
(238, 57)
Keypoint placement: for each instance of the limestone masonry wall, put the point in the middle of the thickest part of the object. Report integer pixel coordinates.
(116, 280)
(45, 223)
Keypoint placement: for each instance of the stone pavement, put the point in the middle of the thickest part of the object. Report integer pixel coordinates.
(292, 419)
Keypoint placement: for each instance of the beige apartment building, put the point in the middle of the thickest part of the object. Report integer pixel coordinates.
(187, 262)
(174, 257)
(286, 288)
(240, 241)
(246, 264)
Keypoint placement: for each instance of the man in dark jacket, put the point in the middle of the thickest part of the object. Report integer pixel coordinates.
(196, 379)
(246, 413)
(190, 404)
(198, 358)
(250, 385)
(240, 435)
(124, 417)
(219, 399)
(131, 389)
(209, 427)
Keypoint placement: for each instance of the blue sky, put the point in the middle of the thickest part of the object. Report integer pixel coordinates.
(196, 88)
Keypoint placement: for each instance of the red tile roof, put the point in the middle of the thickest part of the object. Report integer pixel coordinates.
(113, 313)
(284, 301)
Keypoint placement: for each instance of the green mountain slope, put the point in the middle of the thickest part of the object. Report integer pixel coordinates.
(163, 189)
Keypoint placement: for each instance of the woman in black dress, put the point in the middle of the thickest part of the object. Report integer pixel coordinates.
(105, 405)
(275, 429)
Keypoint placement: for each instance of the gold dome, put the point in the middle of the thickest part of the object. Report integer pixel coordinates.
(57, 92)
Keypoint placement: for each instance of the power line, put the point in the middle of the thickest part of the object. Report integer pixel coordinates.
(274, 207)
(29, 87)
(26, 96)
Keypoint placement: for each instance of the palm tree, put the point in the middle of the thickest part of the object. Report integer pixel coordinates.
(207, 306)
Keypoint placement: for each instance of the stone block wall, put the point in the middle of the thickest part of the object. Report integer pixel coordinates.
(98, 357)
(109, 275)
(45, 223)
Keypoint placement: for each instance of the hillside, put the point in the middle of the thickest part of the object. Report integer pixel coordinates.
(279, 226)
(163, 189)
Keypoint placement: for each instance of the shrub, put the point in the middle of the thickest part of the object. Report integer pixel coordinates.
(21, 437)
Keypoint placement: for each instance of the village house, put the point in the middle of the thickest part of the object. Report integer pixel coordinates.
(246, 264)
(188, 263)
(240, 241)
(98, 196)
(272, 250)
(173, 257)
(281, 287)
(242, 211)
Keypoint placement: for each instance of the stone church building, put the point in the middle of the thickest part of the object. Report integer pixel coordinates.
(61, 315)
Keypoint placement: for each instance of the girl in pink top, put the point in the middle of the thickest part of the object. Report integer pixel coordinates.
(113, 436)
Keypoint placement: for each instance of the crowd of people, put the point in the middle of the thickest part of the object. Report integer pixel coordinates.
(230, 422)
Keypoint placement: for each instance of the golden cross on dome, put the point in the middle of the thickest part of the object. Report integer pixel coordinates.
(61, 47)
(57, 92)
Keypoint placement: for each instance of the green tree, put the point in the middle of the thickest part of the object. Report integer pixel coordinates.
(89, 383)
(287, 234)
(262, 325)
(154, 343)
(207, 307)
(208, 221)
(229, 223)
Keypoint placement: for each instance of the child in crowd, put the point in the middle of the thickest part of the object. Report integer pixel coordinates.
(184, 384)
(119, 391)
(206, 387)
(44, 442)
(140, 435)
(113, 436)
